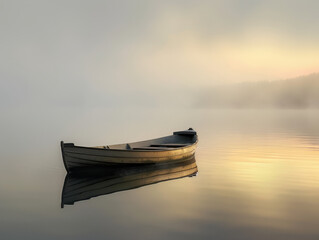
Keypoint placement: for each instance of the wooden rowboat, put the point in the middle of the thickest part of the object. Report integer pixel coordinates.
(84, 185)
(180, 145)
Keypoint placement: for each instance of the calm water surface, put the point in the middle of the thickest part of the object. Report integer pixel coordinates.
(258, 176)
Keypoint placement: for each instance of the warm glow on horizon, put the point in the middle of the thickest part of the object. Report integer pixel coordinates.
(138, 50)
(183, 48)
(227, 61)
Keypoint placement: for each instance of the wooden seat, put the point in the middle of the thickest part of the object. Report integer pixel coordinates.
(169, 145)
(150, 148)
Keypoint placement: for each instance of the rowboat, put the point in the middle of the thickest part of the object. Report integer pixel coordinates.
(179, 145)
(79, 186)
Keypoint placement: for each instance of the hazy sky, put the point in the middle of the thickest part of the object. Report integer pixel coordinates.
(101, 51)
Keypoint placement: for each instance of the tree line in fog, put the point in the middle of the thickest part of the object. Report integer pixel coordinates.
(301, 92)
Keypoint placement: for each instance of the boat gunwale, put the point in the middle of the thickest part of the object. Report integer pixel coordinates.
(135, 150)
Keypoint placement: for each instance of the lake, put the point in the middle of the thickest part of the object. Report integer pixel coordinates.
(258, 175)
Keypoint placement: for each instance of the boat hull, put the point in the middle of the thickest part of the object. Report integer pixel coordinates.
(75, 157)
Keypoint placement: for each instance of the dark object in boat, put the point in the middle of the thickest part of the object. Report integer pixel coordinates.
(180, 145)
(83, 185)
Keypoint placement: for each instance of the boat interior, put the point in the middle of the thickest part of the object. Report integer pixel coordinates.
(177, 140)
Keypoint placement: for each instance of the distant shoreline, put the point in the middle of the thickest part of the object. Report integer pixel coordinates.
(296, 93)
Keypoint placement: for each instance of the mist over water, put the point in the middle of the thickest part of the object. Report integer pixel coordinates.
(297, 93)
(257, 175)
(106, 72)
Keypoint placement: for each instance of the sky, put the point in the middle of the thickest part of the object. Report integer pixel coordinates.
(119, 52)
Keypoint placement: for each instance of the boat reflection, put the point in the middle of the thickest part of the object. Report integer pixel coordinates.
(81, 186)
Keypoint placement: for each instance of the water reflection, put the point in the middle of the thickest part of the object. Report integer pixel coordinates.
(90, 183)
(259, 178)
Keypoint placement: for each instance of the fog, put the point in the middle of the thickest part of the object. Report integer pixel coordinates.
(297, 93)
(102, 72)
(148, 53)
